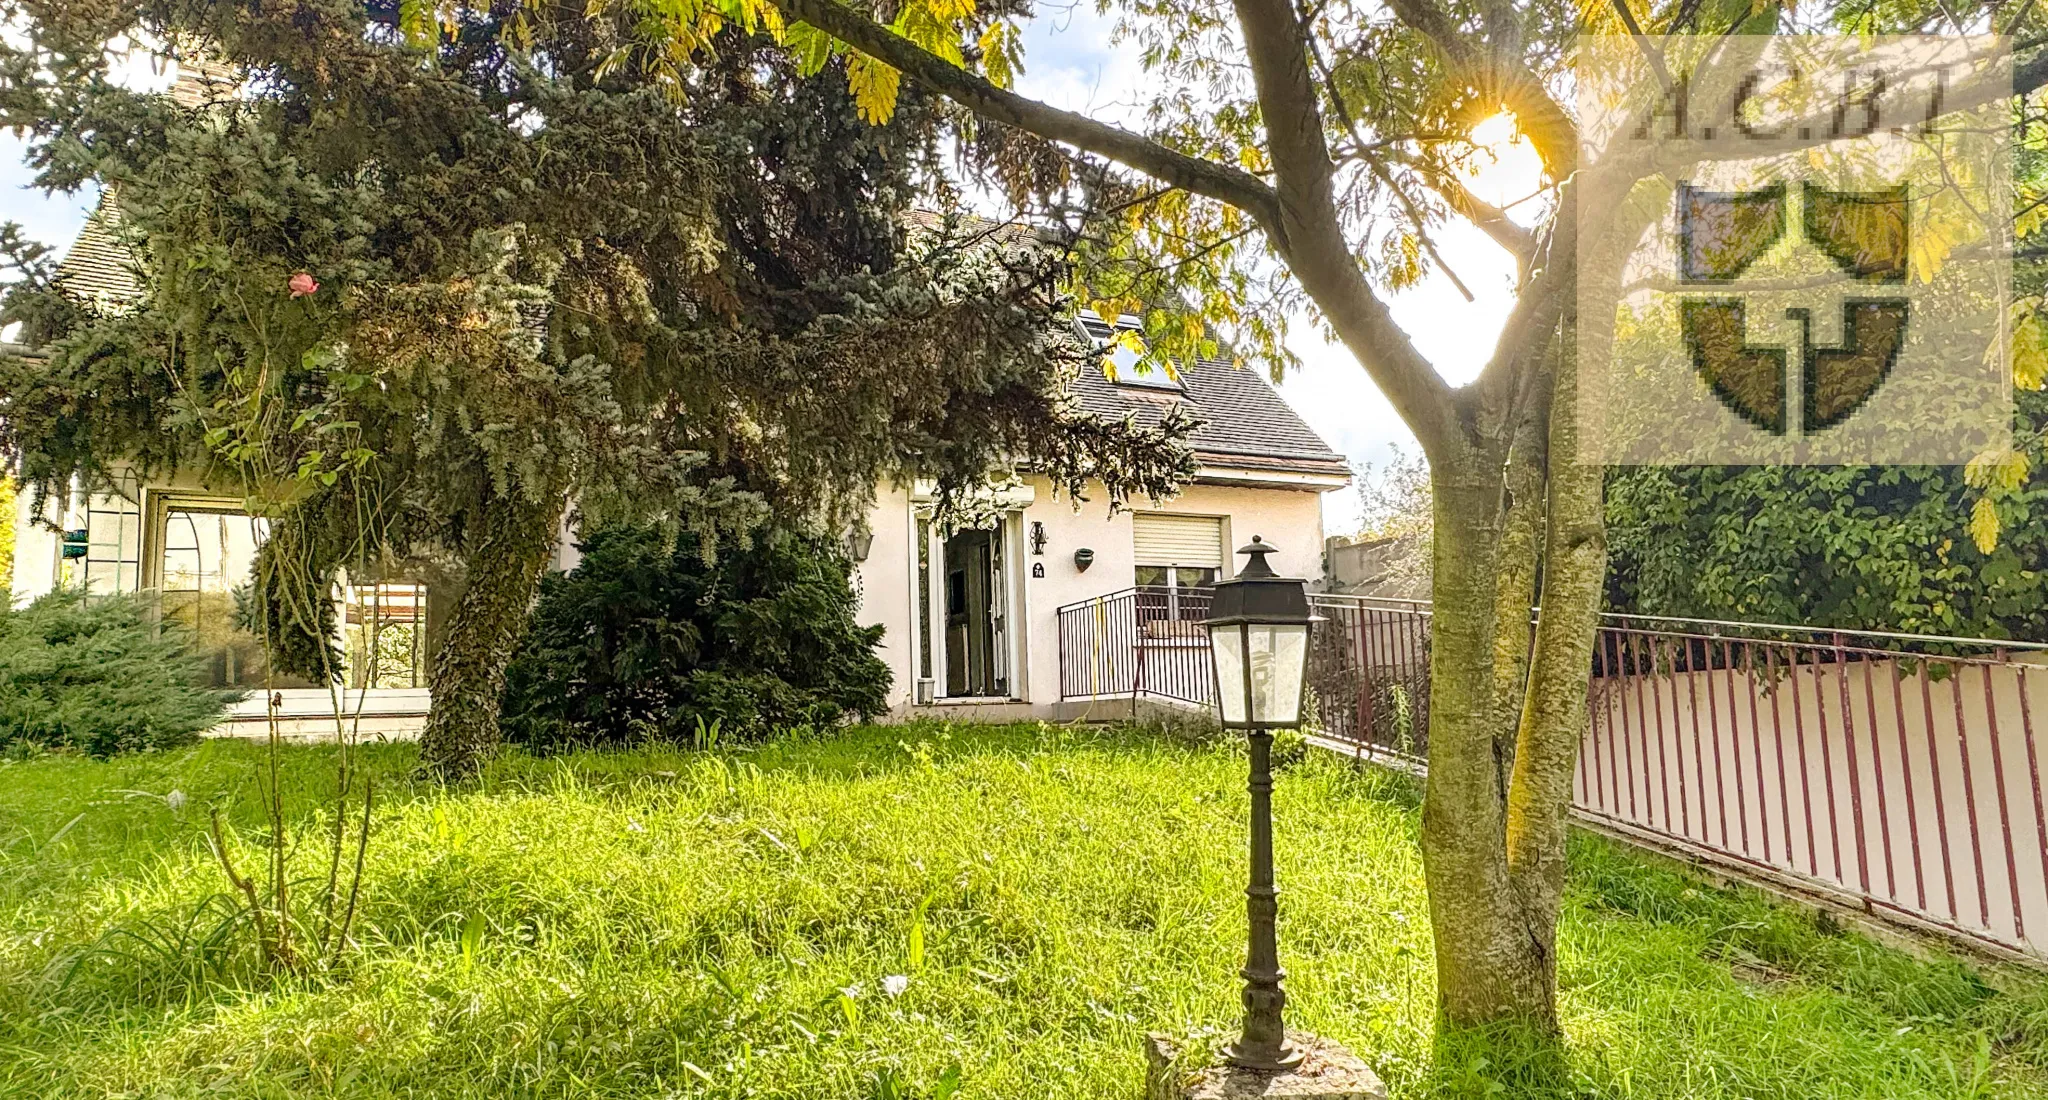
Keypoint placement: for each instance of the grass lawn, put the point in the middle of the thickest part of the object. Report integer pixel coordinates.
(727, 925)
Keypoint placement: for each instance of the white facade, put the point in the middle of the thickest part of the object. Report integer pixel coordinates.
(1031, 583)
(990, 644)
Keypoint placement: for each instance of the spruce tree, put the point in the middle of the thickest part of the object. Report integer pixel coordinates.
(418, 296)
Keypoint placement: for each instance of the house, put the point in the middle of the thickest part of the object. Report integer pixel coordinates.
(972, 617)
(1058, 606)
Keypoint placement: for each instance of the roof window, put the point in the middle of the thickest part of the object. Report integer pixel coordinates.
(1123, 355)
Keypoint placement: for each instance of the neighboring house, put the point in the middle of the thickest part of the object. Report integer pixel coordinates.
(970, 615)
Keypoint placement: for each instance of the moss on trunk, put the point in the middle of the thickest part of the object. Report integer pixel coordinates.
(509, 547)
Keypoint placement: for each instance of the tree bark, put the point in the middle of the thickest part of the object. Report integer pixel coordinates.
(1506, 718)
(509, 546)
(1485, 962)
(1554, 714)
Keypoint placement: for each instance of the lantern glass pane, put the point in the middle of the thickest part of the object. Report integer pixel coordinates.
(1279, 656)
(1226, 643)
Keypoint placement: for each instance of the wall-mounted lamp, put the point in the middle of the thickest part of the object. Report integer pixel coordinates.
(1083, 558)
(859, 540)
(1038, 537)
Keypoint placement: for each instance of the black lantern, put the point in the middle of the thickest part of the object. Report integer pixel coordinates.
(1258, 633)
(1258, 627)
(859, 541)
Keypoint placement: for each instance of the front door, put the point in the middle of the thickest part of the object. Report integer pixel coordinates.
(975, 645)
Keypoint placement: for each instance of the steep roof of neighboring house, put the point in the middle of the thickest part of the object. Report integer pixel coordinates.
(98, 270)
(1246, 424)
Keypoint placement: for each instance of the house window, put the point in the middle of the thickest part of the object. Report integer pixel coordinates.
(113, 554)
(1122, 363)
(203, 566)
(384, 627)
(1178, 559)
(205, 557)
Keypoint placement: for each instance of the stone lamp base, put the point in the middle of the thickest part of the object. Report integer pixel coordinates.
(1329, 1072)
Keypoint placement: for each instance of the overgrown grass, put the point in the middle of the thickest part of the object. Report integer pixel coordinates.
(682, 924)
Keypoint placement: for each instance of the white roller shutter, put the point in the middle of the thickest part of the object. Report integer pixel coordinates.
(1165, 539)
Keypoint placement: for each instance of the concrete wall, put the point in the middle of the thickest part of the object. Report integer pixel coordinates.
(37, 549)
(1289, 519)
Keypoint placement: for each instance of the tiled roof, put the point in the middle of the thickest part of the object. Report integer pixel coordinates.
(98, 270)
(1245, 421)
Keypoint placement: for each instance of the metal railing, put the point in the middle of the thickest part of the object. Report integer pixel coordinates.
(1144, 642)
(1899, 773)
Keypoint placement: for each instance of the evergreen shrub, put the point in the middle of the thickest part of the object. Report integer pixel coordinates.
(95, 675)
(642, 642)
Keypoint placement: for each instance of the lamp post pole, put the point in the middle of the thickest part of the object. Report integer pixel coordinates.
(1259, 625)
(1264, 1044)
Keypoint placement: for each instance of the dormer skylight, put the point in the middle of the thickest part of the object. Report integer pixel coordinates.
(1123, 360)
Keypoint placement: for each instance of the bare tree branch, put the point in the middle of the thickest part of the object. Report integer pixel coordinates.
(1488, 218)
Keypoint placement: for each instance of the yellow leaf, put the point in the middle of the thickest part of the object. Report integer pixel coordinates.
(2029, 358)
(812, 48)
(2033, 213)
(927, 31)
(2001, 470)
(1002, 55)
(1984, 525)
(873, 85)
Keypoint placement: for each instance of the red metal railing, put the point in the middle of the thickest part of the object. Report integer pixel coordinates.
(1900, 773)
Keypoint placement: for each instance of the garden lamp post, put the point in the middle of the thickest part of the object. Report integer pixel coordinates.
(1258, 632)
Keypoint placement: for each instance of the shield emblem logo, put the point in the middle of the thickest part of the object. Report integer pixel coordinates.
(1866, 234)
(1793, 249)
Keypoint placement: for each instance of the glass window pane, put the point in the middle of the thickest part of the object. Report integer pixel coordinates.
(1151, 575)
(207, 557)
(384, 628)
(1279, 654)
(1227, 644)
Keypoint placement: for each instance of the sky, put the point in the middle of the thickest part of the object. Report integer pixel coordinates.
(1070, 63)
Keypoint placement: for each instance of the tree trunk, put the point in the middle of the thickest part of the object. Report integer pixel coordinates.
(508, 550)
(1506, 719)
(1486, 963)
(1554, 714)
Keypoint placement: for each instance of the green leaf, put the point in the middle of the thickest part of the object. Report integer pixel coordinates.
(812, 47)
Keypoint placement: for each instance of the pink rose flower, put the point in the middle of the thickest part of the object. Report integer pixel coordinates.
(302, 285)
